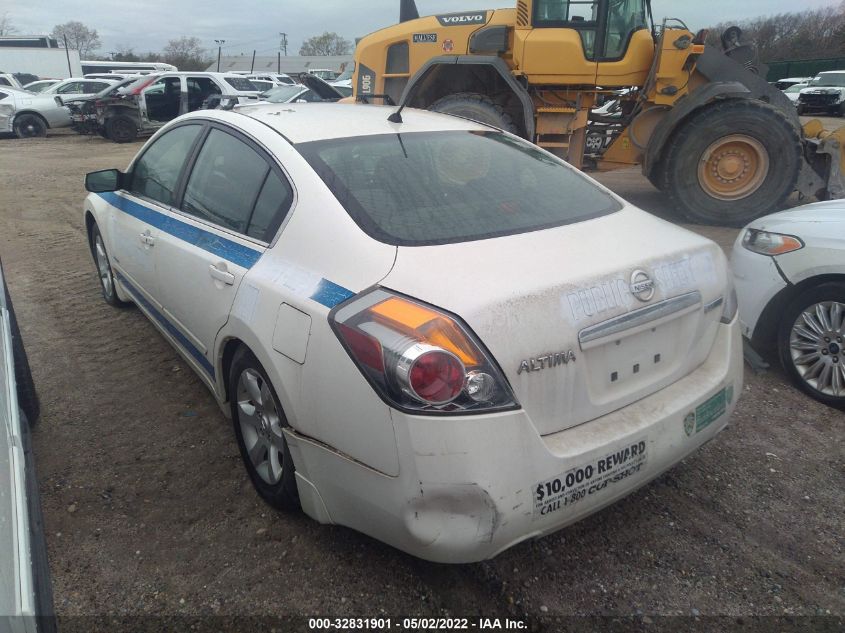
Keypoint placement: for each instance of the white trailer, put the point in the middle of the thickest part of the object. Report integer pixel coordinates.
(46, 63)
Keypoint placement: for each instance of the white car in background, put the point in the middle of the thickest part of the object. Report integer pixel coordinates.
(790, 278)
(41, 85)
(76, 87)
(275, 78)
(26, 602)
(28, 115)
(793, 92)
(419, 325)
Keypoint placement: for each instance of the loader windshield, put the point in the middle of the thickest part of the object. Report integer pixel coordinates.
(425, 188)
(605, 26)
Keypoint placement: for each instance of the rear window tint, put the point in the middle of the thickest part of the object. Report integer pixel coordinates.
(444, 187)
(241, 83)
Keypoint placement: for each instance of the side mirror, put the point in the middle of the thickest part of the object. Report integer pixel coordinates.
(104, 180)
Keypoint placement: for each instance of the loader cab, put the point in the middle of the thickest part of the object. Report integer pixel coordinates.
(606, 42)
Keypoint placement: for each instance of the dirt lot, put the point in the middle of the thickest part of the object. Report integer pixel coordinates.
(149, 511)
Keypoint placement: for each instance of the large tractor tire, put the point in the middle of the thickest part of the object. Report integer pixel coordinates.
(732, 162)
(477, 107)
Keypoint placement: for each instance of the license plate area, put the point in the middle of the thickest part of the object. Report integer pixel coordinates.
(630, 363)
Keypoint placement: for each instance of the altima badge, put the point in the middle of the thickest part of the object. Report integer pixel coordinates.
(546, 362)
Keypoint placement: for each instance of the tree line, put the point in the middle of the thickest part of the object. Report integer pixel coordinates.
(186, 53)
(808, 34)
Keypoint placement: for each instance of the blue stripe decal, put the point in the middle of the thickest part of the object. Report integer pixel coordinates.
(171, 329)
(330, 294)
(224, 248)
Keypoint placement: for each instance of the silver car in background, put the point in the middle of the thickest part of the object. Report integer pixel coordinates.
(26, 600)
(28, 115)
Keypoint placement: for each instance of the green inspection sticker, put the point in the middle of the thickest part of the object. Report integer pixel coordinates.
(711, 410)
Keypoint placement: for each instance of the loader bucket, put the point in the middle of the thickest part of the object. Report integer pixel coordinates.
(825, 153)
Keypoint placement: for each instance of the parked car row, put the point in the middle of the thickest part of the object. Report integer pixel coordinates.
(124, 107)
(822, 94)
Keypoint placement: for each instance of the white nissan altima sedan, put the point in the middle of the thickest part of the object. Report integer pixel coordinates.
(430, 331)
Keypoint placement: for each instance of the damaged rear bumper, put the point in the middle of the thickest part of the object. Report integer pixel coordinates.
(471, 487)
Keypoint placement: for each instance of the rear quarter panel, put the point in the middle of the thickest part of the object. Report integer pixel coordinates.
(325, 397)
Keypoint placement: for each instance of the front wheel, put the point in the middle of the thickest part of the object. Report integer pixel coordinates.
(811, 342)
(104, 269)
(476, 107)
(30, 126)
(259, 428)
(732, 162)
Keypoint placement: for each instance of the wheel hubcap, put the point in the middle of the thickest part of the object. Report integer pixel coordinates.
(261, 426)
(734, 167)
(817, 346)
(103, 266)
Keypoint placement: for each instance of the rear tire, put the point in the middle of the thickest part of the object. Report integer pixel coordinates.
(801, 110)
(259, 420)
(476, 107)
(732, 162)
(812, 353)
(121, 129)
(30, 126)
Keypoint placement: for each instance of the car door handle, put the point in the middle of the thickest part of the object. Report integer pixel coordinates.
(147, 239)
(222, 276)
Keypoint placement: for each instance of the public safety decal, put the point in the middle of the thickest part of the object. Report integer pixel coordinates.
(584, 481)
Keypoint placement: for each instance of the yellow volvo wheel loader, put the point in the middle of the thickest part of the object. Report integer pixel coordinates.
(703, 123)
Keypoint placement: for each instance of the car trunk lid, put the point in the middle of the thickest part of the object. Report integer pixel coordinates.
(558, 312)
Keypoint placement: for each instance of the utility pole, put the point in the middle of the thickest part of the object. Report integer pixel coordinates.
(219, 49)
(67, 53)
(283, 44)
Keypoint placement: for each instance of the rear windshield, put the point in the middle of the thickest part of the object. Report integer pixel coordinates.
(241, 83)
(429, 188)
(282, 94)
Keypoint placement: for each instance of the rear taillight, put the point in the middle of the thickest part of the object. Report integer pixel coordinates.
(418, 358)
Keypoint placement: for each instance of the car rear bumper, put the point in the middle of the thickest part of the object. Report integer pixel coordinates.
(469, 487)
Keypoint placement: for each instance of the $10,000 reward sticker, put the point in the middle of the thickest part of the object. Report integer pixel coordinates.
(581, 482)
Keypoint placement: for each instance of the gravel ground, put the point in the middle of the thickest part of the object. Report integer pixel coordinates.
(149, 511)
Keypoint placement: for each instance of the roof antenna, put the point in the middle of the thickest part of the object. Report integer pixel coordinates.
(396, 117)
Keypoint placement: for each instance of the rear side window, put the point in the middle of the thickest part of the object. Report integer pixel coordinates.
(3, 95)
(241, 83)
(226, 181)
(71, 88)
(156, 174)
(273, 203)
(428, 188)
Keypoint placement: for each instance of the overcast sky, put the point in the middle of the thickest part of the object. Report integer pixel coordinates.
(146, 25)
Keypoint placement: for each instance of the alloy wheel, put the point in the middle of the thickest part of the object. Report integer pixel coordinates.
(261, 426)
(817, 347)
(103, 267)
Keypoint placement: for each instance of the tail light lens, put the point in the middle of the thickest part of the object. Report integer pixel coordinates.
(420, 359)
